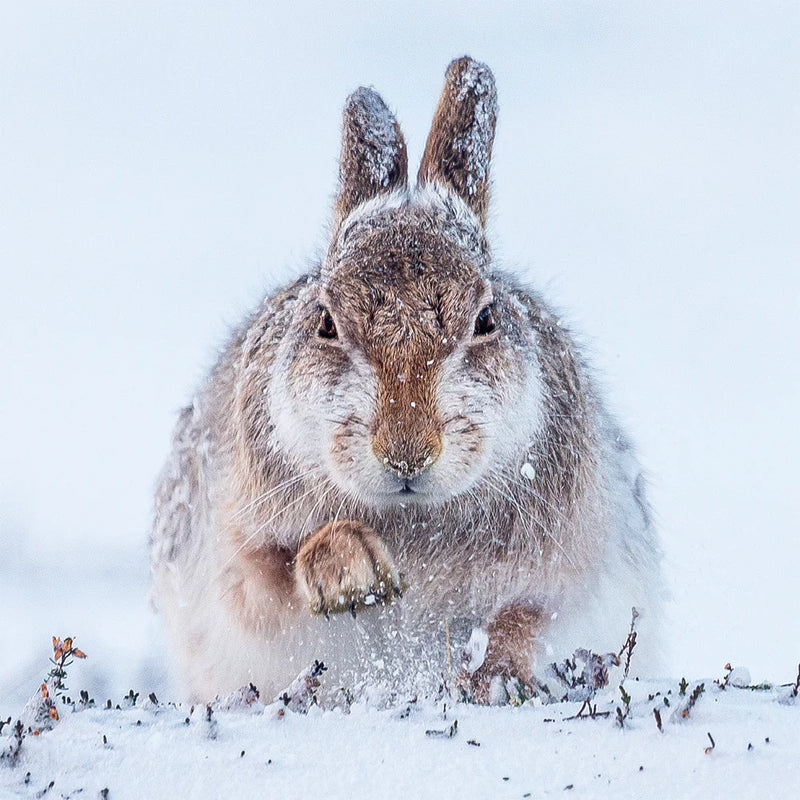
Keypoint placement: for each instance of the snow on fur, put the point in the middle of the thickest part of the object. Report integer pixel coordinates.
(379, 134)
(476, 80)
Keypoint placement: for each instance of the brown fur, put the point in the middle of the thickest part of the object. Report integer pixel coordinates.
(264, 566)
(509, 654)
(465, 119)
(374, 158)
(290, 485)
(342, 565)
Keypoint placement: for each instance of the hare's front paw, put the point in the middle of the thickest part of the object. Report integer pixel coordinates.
(343, 566)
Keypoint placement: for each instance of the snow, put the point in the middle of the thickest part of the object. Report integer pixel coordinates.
(528, 471)
(423, 750)
(377, 126)
(476, 83)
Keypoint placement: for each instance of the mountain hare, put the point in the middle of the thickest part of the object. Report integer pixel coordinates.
(400, 450)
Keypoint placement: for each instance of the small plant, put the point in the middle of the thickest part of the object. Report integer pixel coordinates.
(622, 715)
(796, 687)
(583, 674)
(692, 701)
(723, 684)
(63, 654)
(301, 694)
(42, 708)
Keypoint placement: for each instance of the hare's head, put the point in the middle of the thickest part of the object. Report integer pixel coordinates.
(409, 369)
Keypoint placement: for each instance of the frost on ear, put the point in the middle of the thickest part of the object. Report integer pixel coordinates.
(459, 146)
(374, 159)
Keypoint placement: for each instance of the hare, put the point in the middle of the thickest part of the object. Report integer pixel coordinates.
(400, 449)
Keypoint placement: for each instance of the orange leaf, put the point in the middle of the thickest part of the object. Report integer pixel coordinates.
(78, 653)
(53, 712)
(58, 655)
(68, 643)
(45, 691)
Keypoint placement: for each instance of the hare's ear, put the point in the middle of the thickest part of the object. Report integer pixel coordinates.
(459, 145)
(374, 158)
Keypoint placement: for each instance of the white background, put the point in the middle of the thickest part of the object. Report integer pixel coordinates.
(162, 166)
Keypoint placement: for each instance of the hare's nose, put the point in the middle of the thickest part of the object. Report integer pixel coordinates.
(407, 457)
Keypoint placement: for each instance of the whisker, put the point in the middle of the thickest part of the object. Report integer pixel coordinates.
(272, 491)
(317, 506)
(249, 539)
(525, 512)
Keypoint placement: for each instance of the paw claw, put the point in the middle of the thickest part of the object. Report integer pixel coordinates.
(343, 567)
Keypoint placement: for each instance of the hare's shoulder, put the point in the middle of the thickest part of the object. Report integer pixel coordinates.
(180, 497)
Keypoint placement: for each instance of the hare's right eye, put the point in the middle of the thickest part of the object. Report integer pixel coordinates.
(327, 327)
(484, 322)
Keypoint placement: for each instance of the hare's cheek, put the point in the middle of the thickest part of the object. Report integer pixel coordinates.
(315, 379)
(348, 442)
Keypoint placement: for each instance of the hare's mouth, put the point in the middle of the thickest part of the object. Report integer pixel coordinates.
(410, 490)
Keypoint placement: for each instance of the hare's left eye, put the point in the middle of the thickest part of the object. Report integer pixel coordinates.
(327, 327)
(484, 322)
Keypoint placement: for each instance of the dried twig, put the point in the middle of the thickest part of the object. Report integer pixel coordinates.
(693, 698)
(630, 643)
(723, 684)
(657, 715)
(447, 733)
(590, 710)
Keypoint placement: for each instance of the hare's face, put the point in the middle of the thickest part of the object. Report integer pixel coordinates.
(410, 368)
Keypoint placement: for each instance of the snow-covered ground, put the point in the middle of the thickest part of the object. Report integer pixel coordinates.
(733, 742)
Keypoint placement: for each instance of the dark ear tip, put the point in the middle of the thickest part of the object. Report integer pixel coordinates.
(365, 100)
(466, 73)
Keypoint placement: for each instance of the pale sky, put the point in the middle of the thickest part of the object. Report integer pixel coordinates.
(162, 167)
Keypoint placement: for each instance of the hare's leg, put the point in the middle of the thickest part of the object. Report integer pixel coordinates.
(259, 585)
(343, 566)
(512, 636)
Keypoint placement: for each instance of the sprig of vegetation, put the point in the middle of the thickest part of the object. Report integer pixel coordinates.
(63, 654)
(627, 649)
(692, 701)
(54, 686)
(622, 715)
